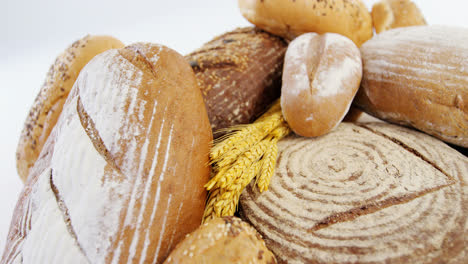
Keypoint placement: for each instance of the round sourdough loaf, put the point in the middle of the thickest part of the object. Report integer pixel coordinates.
(418, 76)
(120, 179)
(364, 193)
(226, 240)
(290, 19)
(239, 74)
(321, 76)
(49, 102)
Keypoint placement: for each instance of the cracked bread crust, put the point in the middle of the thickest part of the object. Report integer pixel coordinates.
(48, 104)
(121, 177)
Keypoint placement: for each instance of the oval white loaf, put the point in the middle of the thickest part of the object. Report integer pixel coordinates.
(368, 193)
(120, 179)
(418, 76)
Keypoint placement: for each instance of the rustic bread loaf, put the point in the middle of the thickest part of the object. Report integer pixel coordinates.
(49, 102)
(388, 14)
(369, 193)
(321, 75)
(120, 179)
(418, 76)
(239, 74)
(290, 19)
(222, 240)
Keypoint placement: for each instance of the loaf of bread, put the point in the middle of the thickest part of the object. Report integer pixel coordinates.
(290, 19)
(388, 14)
(321, 75)
(239, 74)
(226, 240)
(418, 76)
(49, 102)
(368, 193)
(120, 179)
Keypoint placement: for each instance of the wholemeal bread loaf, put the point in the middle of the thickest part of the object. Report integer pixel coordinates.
(222, 240)
(388, 14)
(369, 193)
(239, 74)
(290, 19)
(49, 102)
(120, 179)
(418, 76)
(321, 75)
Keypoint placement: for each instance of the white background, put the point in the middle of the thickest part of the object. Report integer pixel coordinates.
(33, 33)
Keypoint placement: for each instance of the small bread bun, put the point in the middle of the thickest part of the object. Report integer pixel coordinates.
(222, 240)
(388, 14)
(49, 102)
(290, 19)
(321, 75)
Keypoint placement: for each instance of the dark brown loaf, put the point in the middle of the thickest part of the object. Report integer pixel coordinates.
(49, 102)
(120, 179)
(368, 193)
(239, 74)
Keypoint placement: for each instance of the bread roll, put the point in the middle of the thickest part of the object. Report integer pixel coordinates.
(418, 76)
(321, 75)
(49, 102)
(388, 14)
(120, 179)
(290, 19)
(373, 193)
(239, 74)
(222, 240)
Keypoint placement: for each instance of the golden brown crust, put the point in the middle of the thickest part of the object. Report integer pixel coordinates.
(239, 74)
(320, 71)
(292, 18)
(147, 170)
(388, 14)
(414, 76)
(222, 240)
(49, 102)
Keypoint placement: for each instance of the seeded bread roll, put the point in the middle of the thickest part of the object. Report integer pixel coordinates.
(239, 74)
(222, 240)
(368, 193)
(49, 102)
(321, 75)
(388, 14)
(290, 19)
(418, 77)
(120, 179)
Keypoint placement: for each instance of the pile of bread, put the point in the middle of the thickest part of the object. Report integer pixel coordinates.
(114, 153)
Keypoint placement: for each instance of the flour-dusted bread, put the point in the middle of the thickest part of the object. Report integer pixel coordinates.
(226, 240)
(239, 74)
(120, 179)
(48, 105)
(418, 76)
(368, 193)
(321, 76)
(290, 19)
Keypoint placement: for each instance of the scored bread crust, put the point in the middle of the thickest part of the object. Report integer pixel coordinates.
(48, 104)
(417, 76)
(364, 193)
(120, 179)
(290, 19)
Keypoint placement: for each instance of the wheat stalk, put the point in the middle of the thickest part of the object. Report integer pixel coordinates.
(246, 154)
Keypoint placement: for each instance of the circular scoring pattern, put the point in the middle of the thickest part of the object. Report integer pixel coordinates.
(368, 193)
